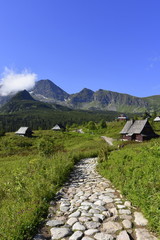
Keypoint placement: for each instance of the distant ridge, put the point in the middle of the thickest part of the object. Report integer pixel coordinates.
(48, 92)
(23, 101)
(86, 95)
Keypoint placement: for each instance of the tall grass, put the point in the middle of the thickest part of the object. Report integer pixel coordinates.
(135, 170)
(31, 171)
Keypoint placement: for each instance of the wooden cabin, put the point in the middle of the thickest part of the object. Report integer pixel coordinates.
(122, 117)
(58, 127)
(24, 131)
(138, 130)
(157, 119)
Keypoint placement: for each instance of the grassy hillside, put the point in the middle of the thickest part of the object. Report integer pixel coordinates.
(135, 170)
(31, 171)
(154, 102)
(107, 100)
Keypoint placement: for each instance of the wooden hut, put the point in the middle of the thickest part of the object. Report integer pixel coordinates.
(24, 131)
(58, 127)
(122, 117)
(157, 119)
(138, 130)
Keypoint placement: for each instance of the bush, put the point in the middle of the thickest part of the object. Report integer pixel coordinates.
(2, 132)
(45, 147)
(102, 124)
(91, 125)
(135, 170)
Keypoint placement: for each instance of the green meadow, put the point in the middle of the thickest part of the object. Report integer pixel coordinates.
(134, 169)
(33, 169)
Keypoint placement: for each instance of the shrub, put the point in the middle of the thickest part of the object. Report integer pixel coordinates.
(91, 125)
(2, 132)
(45, 147)
(102, 124)
(135, 170)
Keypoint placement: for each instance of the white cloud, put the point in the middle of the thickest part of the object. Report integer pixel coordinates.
(153, 61)
(12, 82)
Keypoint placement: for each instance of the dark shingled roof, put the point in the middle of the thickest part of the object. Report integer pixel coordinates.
(56, 127)
(137, 127)
(22, 130)
(157, 119)
(127, 127)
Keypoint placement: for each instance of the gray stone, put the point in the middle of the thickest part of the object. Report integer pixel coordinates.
(107, 214)
(112, 227)
(55, 223)
(94, 211)
(72, 209)
(58, 233)
(80, 193)
(124, 211)
(99, 203)
(96, 219)
(113, 211)
(76, 235)
(109, 190)
(91, 225)
(83, 198)
(72, 221)
(143, 234)
(127, 204)
(86, 203)
(64, 208)
(139, 219)
(84, 208)
(78, 226)
(84, 219)
(118, 199)
(51, 209)
(101, 216)
(125, 217)
(127, 224)
(103, 236)
(65, 203)
(110, 205)
(118, 202)
(86, 214)
(90, 232)
(114, 218)
(123, 236)
(75, 214)
(87, 238)
(39, 237)
(100, 208)
(106, 199)
(121, 206)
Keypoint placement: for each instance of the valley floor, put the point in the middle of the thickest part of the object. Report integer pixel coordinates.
(89, 207)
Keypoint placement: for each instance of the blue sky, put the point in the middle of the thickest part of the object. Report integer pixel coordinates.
(97, 44)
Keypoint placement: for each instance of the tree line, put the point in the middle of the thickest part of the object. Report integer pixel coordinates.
(47, 119)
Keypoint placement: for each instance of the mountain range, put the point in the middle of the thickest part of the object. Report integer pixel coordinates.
(23, 101)
(49, 95)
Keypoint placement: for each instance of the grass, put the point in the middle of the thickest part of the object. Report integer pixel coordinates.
(31, 171)
(135, 170)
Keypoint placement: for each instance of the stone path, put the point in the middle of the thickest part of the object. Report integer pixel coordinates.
(88, 207)
(108, 140)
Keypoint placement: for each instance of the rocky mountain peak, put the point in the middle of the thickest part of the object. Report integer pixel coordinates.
(48, 89)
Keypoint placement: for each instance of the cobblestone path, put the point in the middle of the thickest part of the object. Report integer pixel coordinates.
(88, 207)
